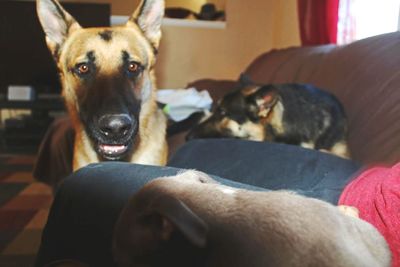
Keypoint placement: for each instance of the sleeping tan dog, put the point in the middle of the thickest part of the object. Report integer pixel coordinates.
(190, 220)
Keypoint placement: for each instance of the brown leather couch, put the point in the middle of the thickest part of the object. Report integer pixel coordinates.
(364, 75)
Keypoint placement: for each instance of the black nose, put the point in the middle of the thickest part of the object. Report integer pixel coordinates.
(116, 125)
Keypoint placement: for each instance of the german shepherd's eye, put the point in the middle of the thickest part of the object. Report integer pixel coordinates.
(134, 68)
(82, 68)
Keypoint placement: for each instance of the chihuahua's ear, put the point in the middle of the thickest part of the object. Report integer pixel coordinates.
(57, 23)
(148, 16)
(264, 99)
(249, 90)
(176, 216)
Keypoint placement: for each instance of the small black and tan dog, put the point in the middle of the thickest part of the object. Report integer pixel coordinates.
(295, 114)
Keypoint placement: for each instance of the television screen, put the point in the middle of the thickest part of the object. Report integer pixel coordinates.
(24, 57)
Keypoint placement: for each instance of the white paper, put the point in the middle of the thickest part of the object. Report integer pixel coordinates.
(181, 103)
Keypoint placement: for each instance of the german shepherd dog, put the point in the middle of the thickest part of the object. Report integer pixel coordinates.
(107, 75)
(295, 114)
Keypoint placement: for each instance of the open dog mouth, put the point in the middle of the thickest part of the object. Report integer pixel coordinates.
(112, 151)
(114, 148)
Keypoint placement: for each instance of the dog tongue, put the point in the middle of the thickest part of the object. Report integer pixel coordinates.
(111, 149)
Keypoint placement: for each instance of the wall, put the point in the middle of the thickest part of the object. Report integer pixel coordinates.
(220, 4)
(193, 5)
(118, 7)
(126, 7)
(187, 54)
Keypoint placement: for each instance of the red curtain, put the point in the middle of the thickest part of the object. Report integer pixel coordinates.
(318, 21)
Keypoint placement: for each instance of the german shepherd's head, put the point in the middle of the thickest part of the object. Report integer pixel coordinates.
(106, 74)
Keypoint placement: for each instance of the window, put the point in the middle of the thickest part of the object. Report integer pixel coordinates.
(359, 19)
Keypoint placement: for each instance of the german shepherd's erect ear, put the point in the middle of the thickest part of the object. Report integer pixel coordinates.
(56, 22)
(148, 16)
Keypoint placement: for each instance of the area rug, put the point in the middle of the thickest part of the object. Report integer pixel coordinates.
(24, 207)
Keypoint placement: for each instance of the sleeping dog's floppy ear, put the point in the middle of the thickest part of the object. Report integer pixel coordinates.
(154, 222)
(176, 216)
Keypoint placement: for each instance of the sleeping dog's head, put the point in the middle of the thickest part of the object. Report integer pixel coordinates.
(241, 114)
(106, 73)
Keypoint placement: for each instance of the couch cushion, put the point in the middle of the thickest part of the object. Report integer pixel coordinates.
(269, 165)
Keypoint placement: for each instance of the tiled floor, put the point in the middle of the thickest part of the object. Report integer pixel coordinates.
(24, 207)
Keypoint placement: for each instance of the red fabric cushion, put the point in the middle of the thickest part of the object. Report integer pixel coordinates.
(376, 194)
